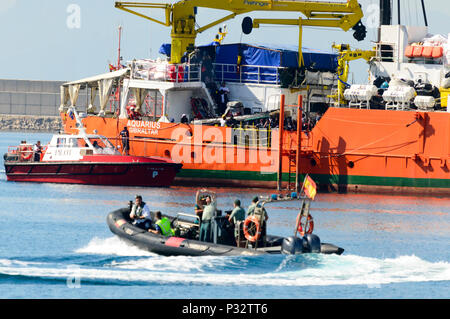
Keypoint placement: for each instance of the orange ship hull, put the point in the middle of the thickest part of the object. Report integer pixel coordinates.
(347, 150)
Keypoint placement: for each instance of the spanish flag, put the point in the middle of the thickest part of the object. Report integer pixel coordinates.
(309, 187)
(112, 68)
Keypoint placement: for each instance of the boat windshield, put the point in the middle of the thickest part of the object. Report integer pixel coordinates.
(103, 145)
(64, 141)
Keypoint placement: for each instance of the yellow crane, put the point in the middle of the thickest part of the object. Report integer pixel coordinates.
(181, 16)
(346, 54)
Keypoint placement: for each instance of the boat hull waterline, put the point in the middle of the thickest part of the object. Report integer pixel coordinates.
(119, 224)
(348, 150)
(120, 171)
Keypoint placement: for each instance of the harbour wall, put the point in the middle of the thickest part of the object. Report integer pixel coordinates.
(30, 123)
(30, 105)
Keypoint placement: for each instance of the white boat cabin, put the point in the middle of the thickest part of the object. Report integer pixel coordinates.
(64, 147)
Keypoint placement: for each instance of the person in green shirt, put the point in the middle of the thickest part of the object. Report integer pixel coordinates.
(162, 226)
(238, 212)
(237, 216)
(209, 211)
(251, 208)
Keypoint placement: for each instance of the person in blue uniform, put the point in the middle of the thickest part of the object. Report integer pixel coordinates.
(125, 135)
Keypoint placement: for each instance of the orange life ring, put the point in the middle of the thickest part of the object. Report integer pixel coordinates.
(309, 222)
(252, 219)
(25, 153)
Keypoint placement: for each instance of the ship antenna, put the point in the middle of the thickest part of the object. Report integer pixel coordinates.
(119, 57)
(424, 13)
(385, 12)
(385, 15)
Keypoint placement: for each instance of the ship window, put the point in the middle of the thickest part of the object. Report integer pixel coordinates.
(387, 52)
(107, 143)
(60, 142)
(97, 142)
(81, 143)
(72, 142)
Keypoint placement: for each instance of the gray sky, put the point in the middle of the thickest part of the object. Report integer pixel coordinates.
(72, 39)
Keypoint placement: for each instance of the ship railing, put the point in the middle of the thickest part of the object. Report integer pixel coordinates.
(190, 72)
(259, 74)
(385, 52)
(262, 137)
(251, 137)
(22, 153)
(165, 72)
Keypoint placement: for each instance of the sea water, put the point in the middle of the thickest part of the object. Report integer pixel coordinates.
(55, 243)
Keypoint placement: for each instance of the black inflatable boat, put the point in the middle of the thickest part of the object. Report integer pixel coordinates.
(185, 241)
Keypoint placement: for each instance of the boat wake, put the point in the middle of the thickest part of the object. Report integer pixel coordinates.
(112, 262)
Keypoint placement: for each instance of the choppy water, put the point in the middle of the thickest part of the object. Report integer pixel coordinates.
(54, 243)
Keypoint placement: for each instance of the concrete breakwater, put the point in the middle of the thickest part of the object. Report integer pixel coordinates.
(30, 123)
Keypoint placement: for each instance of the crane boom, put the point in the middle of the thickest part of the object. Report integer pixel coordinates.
(346, 54)
(181, 16)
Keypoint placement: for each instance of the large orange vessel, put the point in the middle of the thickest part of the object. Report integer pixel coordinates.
(390, 135)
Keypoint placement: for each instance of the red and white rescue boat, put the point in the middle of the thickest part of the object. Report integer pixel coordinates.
(86, 159)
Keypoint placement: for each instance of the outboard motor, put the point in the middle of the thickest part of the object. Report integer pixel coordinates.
(292, 246)
(311, 243)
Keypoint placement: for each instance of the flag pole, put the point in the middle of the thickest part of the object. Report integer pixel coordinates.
(118, 58)
(303, 185)
(299, 142)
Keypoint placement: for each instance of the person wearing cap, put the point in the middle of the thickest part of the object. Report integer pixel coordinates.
(251, 208)
(251, 211)
(236, 217)
(140, 214)
(238, 212)
(162, 226)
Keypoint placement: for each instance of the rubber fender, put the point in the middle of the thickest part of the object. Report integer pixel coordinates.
(292, 246)
(311, 243)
